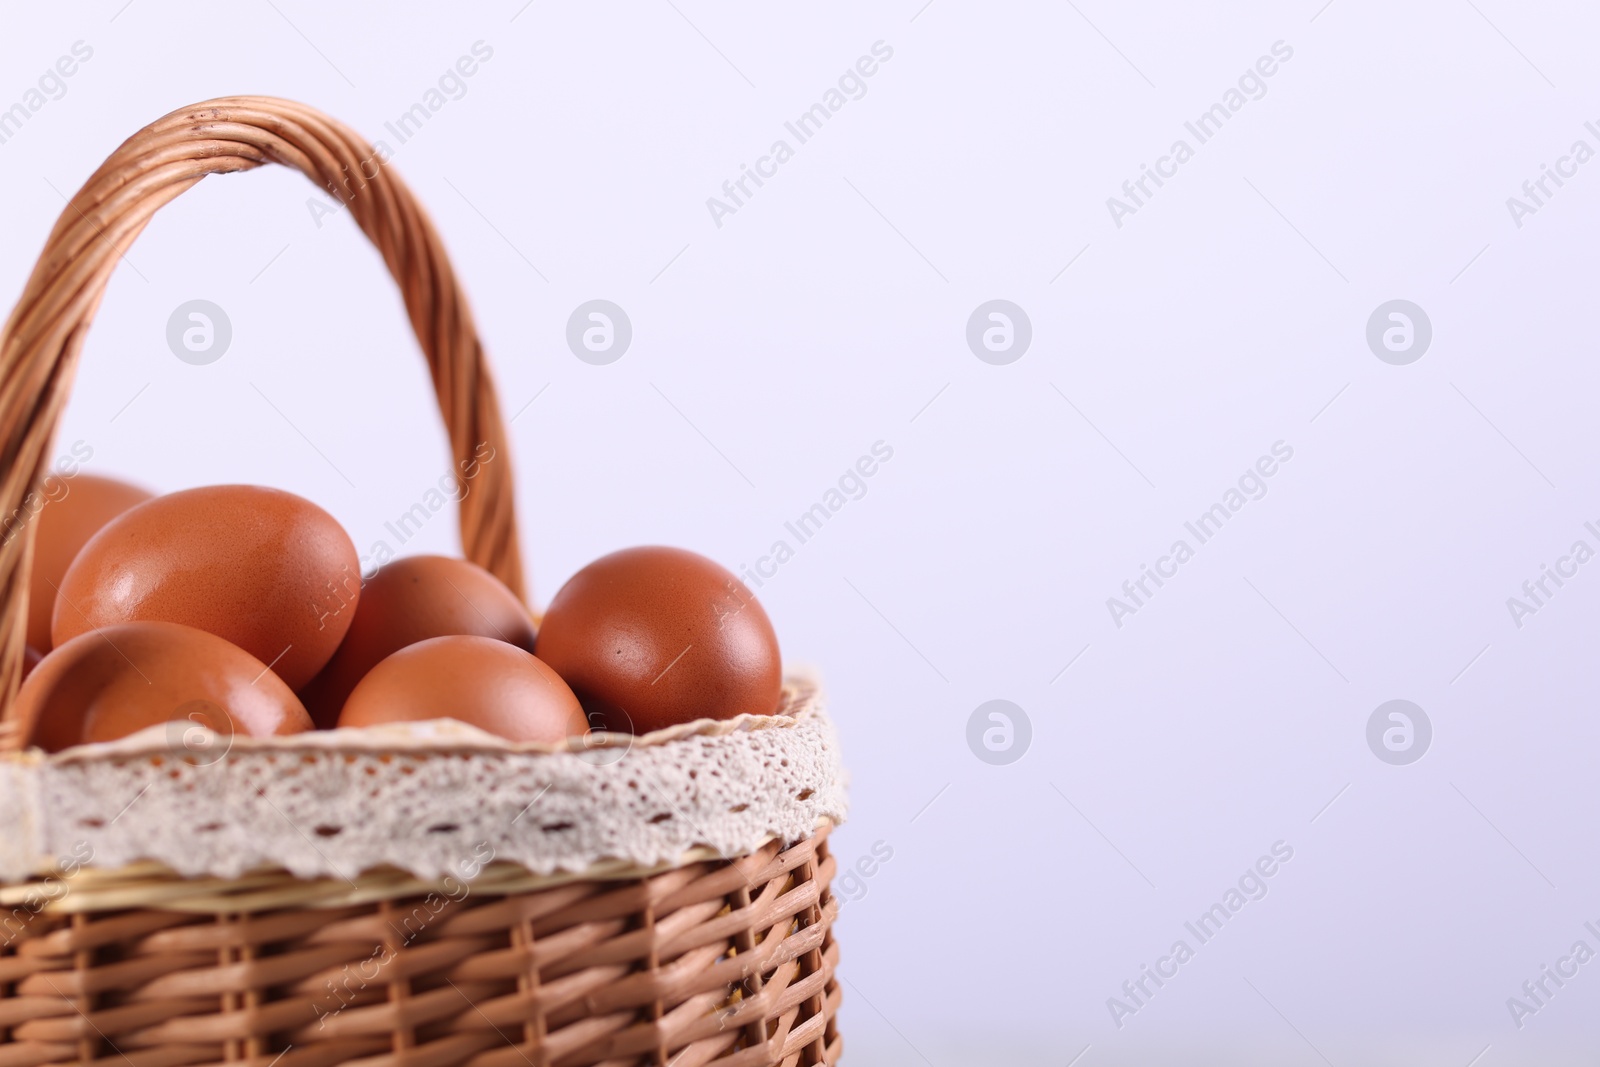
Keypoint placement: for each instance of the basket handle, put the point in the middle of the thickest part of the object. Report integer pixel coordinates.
(44, 335)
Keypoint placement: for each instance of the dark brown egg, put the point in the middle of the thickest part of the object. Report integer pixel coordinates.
(411, 600)
(267, 570)
(65, 525)
(651, 637)
(481, 681)
(116, 681)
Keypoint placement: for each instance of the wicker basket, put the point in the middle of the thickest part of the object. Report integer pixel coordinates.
(708, 959)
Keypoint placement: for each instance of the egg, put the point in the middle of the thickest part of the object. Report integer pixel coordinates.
(650, 637)
(481, 681)
(411, 600)
(118, 680)
(65, 525)
(30, 659)
(267, 570)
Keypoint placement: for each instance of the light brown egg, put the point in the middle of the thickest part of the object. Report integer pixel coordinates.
(480, 681)
(411, 600)
(267, 570)
(65, 525)
(118, 680)
(650, 637)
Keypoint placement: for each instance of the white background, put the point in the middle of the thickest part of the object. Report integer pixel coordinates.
(1227, 314)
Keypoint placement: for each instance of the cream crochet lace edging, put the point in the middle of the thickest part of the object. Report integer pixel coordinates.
(432, 800)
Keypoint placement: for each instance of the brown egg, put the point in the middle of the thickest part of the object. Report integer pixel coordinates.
(650, 637)
(65, 525)
(481, 681)
(265, 569)
(411, 600)
(30, 659)
(116, 681)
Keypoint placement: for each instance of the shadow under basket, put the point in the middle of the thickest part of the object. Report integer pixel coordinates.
(143, 949)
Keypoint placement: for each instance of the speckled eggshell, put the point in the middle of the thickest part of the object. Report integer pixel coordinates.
(481, 681)
(411, 600)
(65, 525)
(267, 570)
(651, 637)
(114, 682)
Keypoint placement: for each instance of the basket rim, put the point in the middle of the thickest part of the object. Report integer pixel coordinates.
(154, 886)
(453, 808)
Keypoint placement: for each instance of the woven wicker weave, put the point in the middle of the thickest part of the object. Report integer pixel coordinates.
(714, 961)
(727, 963)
